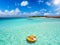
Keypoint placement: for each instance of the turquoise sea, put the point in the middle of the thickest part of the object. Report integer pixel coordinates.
(15, 31)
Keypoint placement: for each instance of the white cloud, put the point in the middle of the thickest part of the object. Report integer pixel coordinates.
(24, 3)
(10, 13)
(56, 2)
(48, 3)
(46, 14)
(35, 13)
(18, 13)
(17, 4)
(58, 11)
(39, 1)
(1, 13)
(43, 10)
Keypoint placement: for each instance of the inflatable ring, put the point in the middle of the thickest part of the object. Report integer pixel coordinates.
(31, 38)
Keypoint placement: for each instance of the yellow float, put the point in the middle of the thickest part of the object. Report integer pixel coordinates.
(31, 38)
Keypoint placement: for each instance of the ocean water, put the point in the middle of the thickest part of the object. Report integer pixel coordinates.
(15, 31)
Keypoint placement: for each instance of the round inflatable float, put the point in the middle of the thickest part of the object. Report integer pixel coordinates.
(31, 38)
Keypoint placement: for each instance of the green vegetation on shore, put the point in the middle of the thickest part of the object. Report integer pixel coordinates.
(45, 16)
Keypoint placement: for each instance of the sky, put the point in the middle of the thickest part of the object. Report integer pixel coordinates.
(22, 8)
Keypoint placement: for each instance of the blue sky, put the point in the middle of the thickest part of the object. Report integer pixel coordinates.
(16, 8)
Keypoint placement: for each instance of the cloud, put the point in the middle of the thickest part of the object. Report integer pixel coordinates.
(46, 14)
(8, 13)
(24, 3)
(17, 4)
(19, 13)
(56, 2)
(57, 11)
(40, 1)
(48, 3)
(26, 14)
(35, 13)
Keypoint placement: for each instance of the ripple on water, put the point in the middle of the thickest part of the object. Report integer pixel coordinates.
(4, 40)
(9, 38)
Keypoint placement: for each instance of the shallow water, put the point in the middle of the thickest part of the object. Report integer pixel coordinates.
(15, 31)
